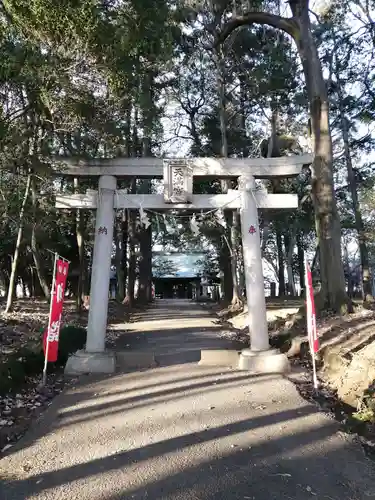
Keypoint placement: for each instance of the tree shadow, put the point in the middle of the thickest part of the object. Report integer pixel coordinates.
(63, 411)
(176, 340)
(267, 473)
(174, 394)
(307, 464)
(231, 463)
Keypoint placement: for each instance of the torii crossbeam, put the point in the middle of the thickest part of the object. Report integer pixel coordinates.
(220, 168)
(156, 202)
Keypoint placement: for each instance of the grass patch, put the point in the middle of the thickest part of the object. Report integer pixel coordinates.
(366, 411)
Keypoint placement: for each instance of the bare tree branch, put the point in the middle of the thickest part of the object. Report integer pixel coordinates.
(289, 25)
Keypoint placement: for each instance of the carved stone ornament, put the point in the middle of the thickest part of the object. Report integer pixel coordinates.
(178, 180)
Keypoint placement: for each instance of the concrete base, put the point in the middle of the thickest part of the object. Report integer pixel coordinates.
(271, 361)
(219, 357)
(89, 362)
(133, 360)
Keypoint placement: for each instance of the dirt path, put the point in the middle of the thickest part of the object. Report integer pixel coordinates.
(175, 331)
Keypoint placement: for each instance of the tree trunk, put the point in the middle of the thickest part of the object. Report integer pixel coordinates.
(274, 183)
(195, 135)
(13, 274)
(289, 249)
(37, 289)
(234, 236)
(145, 235)
(359, 225)
(125, 229)
(144, 290)
(145, 255)
(28, 281)
(333, 291)
(32, 277)
(280, 258)
(120, 258)
(34, 242)
(346, 262)
(128, 129)
(301, 263)
(81, 252)
(225, 267)
(132, 258)
(243, 102)
(315, 261)
(4, 282)
(230, 272)
(132, 263)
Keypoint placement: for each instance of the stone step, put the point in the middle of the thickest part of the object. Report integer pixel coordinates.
(134, 360)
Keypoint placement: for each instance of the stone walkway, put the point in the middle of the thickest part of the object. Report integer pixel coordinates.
(184, 432)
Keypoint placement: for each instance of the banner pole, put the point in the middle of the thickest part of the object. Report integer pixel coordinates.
(315, 378)
(310, 323)
(44, 380)
(60, 257)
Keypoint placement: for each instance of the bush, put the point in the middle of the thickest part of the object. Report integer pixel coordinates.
(28, 361)
(366, 412)
(32, 360)
(72, 338)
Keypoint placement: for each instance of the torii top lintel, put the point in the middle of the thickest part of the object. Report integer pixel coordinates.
(286, 166)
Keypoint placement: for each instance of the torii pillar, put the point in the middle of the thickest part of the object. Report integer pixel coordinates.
(95, 358)
(259, 357)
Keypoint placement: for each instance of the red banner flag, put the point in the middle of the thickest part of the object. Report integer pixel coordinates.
(311, 321)
(57, 301)
(310, 313)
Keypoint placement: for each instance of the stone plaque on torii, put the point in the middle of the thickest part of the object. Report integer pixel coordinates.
(178, 193)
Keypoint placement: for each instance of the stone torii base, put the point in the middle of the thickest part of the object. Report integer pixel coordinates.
(259, 358)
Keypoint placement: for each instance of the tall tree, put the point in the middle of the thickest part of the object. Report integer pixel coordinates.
(333, 289)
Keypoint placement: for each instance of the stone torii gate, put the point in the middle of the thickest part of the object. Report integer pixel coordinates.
(178, 182)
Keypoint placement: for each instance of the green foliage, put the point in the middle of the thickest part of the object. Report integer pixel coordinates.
(163, 267)
(366, 413)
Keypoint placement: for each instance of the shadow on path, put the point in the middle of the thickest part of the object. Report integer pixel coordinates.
(120, 461)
